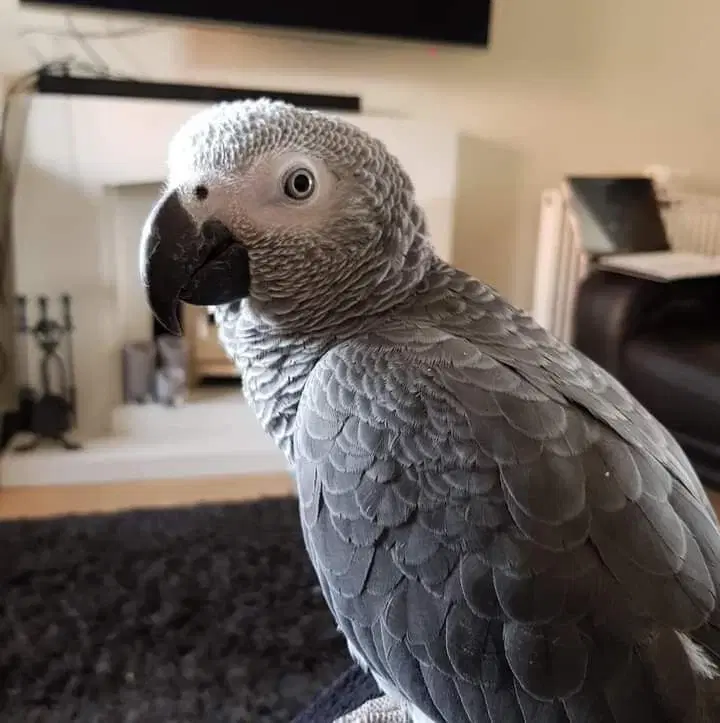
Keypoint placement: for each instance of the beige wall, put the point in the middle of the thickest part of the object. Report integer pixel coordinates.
(569, 85)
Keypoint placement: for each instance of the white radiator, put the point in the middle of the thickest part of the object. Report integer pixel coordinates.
(692, 223)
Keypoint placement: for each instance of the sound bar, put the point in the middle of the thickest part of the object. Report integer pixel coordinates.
(65, 84)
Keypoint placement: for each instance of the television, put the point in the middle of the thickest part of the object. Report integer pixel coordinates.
(447, 22)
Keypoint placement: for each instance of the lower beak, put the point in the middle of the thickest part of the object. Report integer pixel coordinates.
(179, 262)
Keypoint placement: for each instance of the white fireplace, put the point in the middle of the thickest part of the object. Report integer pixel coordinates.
(91, 171)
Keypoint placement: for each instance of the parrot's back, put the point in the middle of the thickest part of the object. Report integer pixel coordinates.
(502, 532)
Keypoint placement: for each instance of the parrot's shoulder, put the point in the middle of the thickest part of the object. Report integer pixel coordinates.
(495, 356)
(513, 338)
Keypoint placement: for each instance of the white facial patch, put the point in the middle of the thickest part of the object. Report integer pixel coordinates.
(261, 195)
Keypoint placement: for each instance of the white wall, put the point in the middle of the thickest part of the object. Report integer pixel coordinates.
(566, 86)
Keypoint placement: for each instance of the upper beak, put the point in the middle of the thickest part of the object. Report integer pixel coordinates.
(179, 262)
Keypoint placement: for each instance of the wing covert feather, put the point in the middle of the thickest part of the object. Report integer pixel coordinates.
(484, 540)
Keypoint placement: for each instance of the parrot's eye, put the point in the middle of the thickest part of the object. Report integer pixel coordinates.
(201, 192)
(299, 184)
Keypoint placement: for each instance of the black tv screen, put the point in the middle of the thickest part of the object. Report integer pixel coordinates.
(454, 22)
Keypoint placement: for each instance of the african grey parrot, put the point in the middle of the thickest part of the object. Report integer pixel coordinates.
(502, 532)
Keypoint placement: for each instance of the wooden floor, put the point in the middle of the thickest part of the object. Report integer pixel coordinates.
(23, 502)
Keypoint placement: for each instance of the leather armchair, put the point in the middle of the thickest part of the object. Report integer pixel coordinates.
(662, 341)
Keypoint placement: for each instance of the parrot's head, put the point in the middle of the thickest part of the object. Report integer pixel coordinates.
(288, 208)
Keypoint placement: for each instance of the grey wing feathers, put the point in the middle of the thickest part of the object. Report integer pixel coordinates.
(493, 548)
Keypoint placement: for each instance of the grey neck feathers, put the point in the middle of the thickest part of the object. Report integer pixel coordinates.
(275, 356)
(368, 285)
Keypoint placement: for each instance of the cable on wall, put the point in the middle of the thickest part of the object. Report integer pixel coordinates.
(94, 61)
(13, 121)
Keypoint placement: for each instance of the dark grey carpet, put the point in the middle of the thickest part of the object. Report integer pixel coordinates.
(175, 616)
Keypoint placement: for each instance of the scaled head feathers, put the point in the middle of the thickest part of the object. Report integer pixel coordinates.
(327, 215)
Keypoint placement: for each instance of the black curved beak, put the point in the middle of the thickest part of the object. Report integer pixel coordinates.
(178, 262)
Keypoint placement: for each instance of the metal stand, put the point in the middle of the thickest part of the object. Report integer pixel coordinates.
(52, 410)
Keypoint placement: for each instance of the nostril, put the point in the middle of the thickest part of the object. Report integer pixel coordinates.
(201, 192)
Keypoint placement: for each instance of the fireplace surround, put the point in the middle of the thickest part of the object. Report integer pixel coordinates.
(91, 170)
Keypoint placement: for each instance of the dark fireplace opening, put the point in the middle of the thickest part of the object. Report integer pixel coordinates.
(202, 375)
